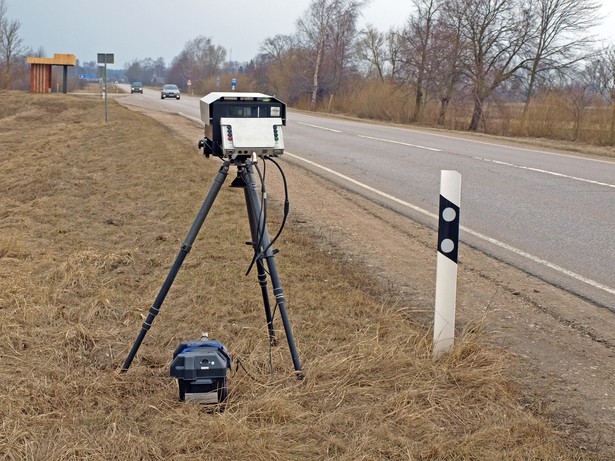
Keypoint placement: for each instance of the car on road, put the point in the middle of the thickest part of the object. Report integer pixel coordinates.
(169, 90)
(136, 87)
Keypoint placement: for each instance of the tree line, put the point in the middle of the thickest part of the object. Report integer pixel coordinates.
(500, 66)
(476, 54)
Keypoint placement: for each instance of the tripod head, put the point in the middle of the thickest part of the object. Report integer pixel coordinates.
(242, 124)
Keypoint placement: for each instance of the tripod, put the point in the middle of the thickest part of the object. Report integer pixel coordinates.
(262, 251)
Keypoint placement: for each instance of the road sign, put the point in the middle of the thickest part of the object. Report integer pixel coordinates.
(233, 83)
(106, 58)
(87, 77)
(189, 82)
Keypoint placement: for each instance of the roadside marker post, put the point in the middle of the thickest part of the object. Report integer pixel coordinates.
(446, 269)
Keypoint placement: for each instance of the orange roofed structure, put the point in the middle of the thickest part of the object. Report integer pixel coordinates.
(40, 71)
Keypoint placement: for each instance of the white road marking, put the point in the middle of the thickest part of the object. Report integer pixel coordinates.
(486, 143)
(538, 170)
(319, 127)
(364, 186)
(538, 260)
(399, 142)
(503, 146)
(486, 238)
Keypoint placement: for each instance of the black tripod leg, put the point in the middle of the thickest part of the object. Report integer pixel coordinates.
(262, 281)
(185, 249)
(255, 208)
(262, 273)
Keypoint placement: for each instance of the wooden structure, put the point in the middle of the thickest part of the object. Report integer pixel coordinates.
(40, 71)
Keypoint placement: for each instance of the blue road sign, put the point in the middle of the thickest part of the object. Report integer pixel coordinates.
(87, 77)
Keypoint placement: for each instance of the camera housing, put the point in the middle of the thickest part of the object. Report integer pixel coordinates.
(242, 124)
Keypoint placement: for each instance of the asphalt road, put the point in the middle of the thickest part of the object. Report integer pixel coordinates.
(551, 214)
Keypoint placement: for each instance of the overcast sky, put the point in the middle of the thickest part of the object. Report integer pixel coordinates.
(137, 29)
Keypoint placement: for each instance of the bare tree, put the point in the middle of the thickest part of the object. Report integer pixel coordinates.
(205, 57)
(39, 53)
(315, 26)
(199, 60)
(445, 53)
(370, 48)
(323, 17)
(276, 48)
(3, 10)
(496, 35)
(134, 71)
(394, 46)
(343, 35)
(147, 65)
(145, 70)
(606, 83)
(160, 69)
(418, 35)
(280, 68)
(11, 45)
(561, 37)
(579, 95)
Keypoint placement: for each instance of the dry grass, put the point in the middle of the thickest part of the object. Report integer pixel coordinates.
(558, 116)
(91, 218)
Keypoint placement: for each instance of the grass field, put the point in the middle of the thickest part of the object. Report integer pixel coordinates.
(91, 218)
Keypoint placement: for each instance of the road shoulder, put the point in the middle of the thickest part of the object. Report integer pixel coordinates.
(563, 347)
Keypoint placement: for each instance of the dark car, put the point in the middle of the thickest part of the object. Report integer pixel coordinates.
(169, 91)
(136, 87)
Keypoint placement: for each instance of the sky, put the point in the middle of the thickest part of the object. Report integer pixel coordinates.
(138, 29)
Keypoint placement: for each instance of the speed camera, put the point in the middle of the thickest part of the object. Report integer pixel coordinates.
(242, 124)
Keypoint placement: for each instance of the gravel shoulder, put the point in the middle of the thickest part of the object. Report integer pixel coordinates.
(563, 346)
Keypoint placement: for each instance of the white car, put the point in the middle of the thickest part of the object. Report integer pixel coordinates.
(169, 91)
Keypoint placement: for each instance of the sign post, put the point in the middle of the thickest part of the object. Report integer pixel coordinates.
(105, 58)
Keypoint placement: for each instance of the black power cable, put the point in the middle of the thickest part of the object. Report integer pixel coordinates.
(263, 221)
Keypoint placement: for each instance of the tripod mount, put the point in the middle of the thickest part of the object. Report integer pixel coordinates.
(261, 243)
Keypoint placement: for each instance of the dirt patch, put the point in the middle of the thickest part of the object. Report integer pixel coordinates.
(565, 346)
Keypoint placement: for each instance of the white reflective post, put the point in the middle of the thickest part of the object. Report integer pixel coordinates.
(446, 269)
